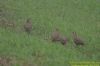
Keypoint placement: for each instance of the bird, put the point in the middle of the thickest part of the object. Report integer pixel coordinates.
(77, 40)
(28, 26)
(63, 40)
(55, 35)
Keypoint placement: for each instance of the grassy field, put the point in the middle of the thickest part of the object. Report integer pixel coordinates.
(81, 16)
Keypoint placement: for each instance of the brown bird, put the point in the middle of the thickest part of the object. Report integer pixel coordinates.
(55, 35)
(77, 40)
(28, 26)
(63, 40)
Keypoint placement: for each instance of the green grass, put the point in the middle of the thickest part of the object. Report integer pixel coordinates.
(81, 16)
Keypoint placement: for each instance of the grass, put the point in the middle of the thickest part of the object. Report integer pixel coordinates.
(80, 16)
